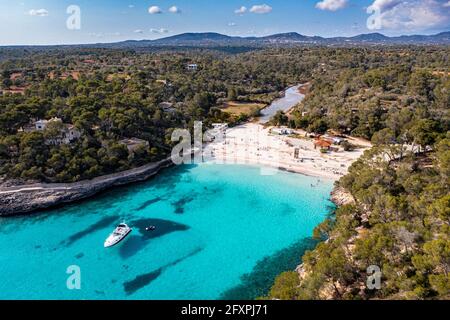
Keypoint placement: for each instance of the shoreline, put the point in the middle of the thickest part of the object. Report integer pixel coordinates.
(251, 144)
(26, 199)
(284, 167)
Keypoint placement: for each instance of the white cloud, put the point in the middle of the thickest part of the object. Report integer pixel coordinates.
(174, 9)
(331, 5)
(232, 24)
(159, 31)
(101, 34)
(261, 9)
(241, 10)
(447, 5)
(95, 34)
(131, 6)
(38, 12)
(154, 10)
(138, 31)
(410, 15)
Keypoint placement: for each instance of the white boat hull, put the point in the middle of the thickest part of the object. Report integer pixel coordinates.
(114, 240)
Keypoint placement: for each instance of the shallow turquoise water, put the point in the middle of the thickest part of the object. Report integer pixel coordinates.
(222, 232)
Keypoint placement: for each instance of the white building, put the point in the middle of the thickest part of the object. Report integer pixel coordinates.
(41, 125)
(68, 132)
(283, 131)
(192, 67)
(337, 140)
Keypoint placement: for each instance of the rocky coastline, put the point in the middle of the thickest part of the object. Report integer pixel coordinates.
(25, 199)
(341, 197)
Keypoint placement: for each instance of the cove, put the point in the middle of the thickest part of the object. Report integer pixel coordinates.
(218, 228)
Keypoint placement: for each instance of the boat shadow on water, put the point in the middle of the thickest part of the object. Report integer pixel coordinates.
(144, 280)
(136, 243)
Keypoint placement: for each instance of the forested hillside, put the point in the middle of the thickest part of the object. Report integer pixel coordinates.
(110, 95)
(400, 218)
(398, 97)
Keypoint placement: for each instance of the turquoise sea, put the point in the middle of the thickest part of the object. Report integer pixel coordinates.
(223, 232)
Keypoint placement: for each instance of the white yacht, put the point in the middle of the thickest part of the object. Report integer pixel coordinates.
(118, 235)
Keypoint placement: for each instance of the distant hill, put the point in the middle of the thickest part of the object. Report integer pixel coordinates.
(212, 39)
(370, 37)
(196, 37)
(292, 38)
(440, 38)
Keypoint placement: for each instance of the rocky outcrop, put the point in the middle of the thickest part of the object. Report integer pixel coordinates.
(27, 198)
(341, 197)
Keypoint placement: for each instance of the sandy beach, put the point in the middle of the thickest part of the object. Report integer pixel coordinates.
(252, 143)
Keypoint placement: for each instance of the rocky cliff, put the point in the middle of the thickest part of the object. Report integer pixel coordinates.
(27, 198)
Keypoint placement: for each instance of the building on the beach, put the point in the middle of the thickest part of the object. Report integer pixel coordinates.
(133, 144)
(283, 131)
(337, 140)
(322, 144)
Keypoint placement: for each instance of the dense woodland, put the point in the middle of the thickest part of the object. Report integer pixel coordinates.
(110, 95)
(396, 97)
(401, 214)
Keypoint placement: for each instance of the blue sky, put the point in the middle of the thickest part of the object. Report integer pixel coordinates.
(44, 21)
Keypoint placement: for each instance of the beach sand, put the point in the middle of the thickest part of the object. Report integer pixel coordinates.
(252, 143)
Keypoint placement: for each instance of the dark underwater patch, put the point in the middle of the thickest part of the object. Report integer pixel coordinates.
(170, 180)
(79, 256)
(141, 281)
(135, 243)
(258, 282)
(181, 203)
(101, 224)
(144, 280)
(148, 203)
(212, 191)
(287, 209)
